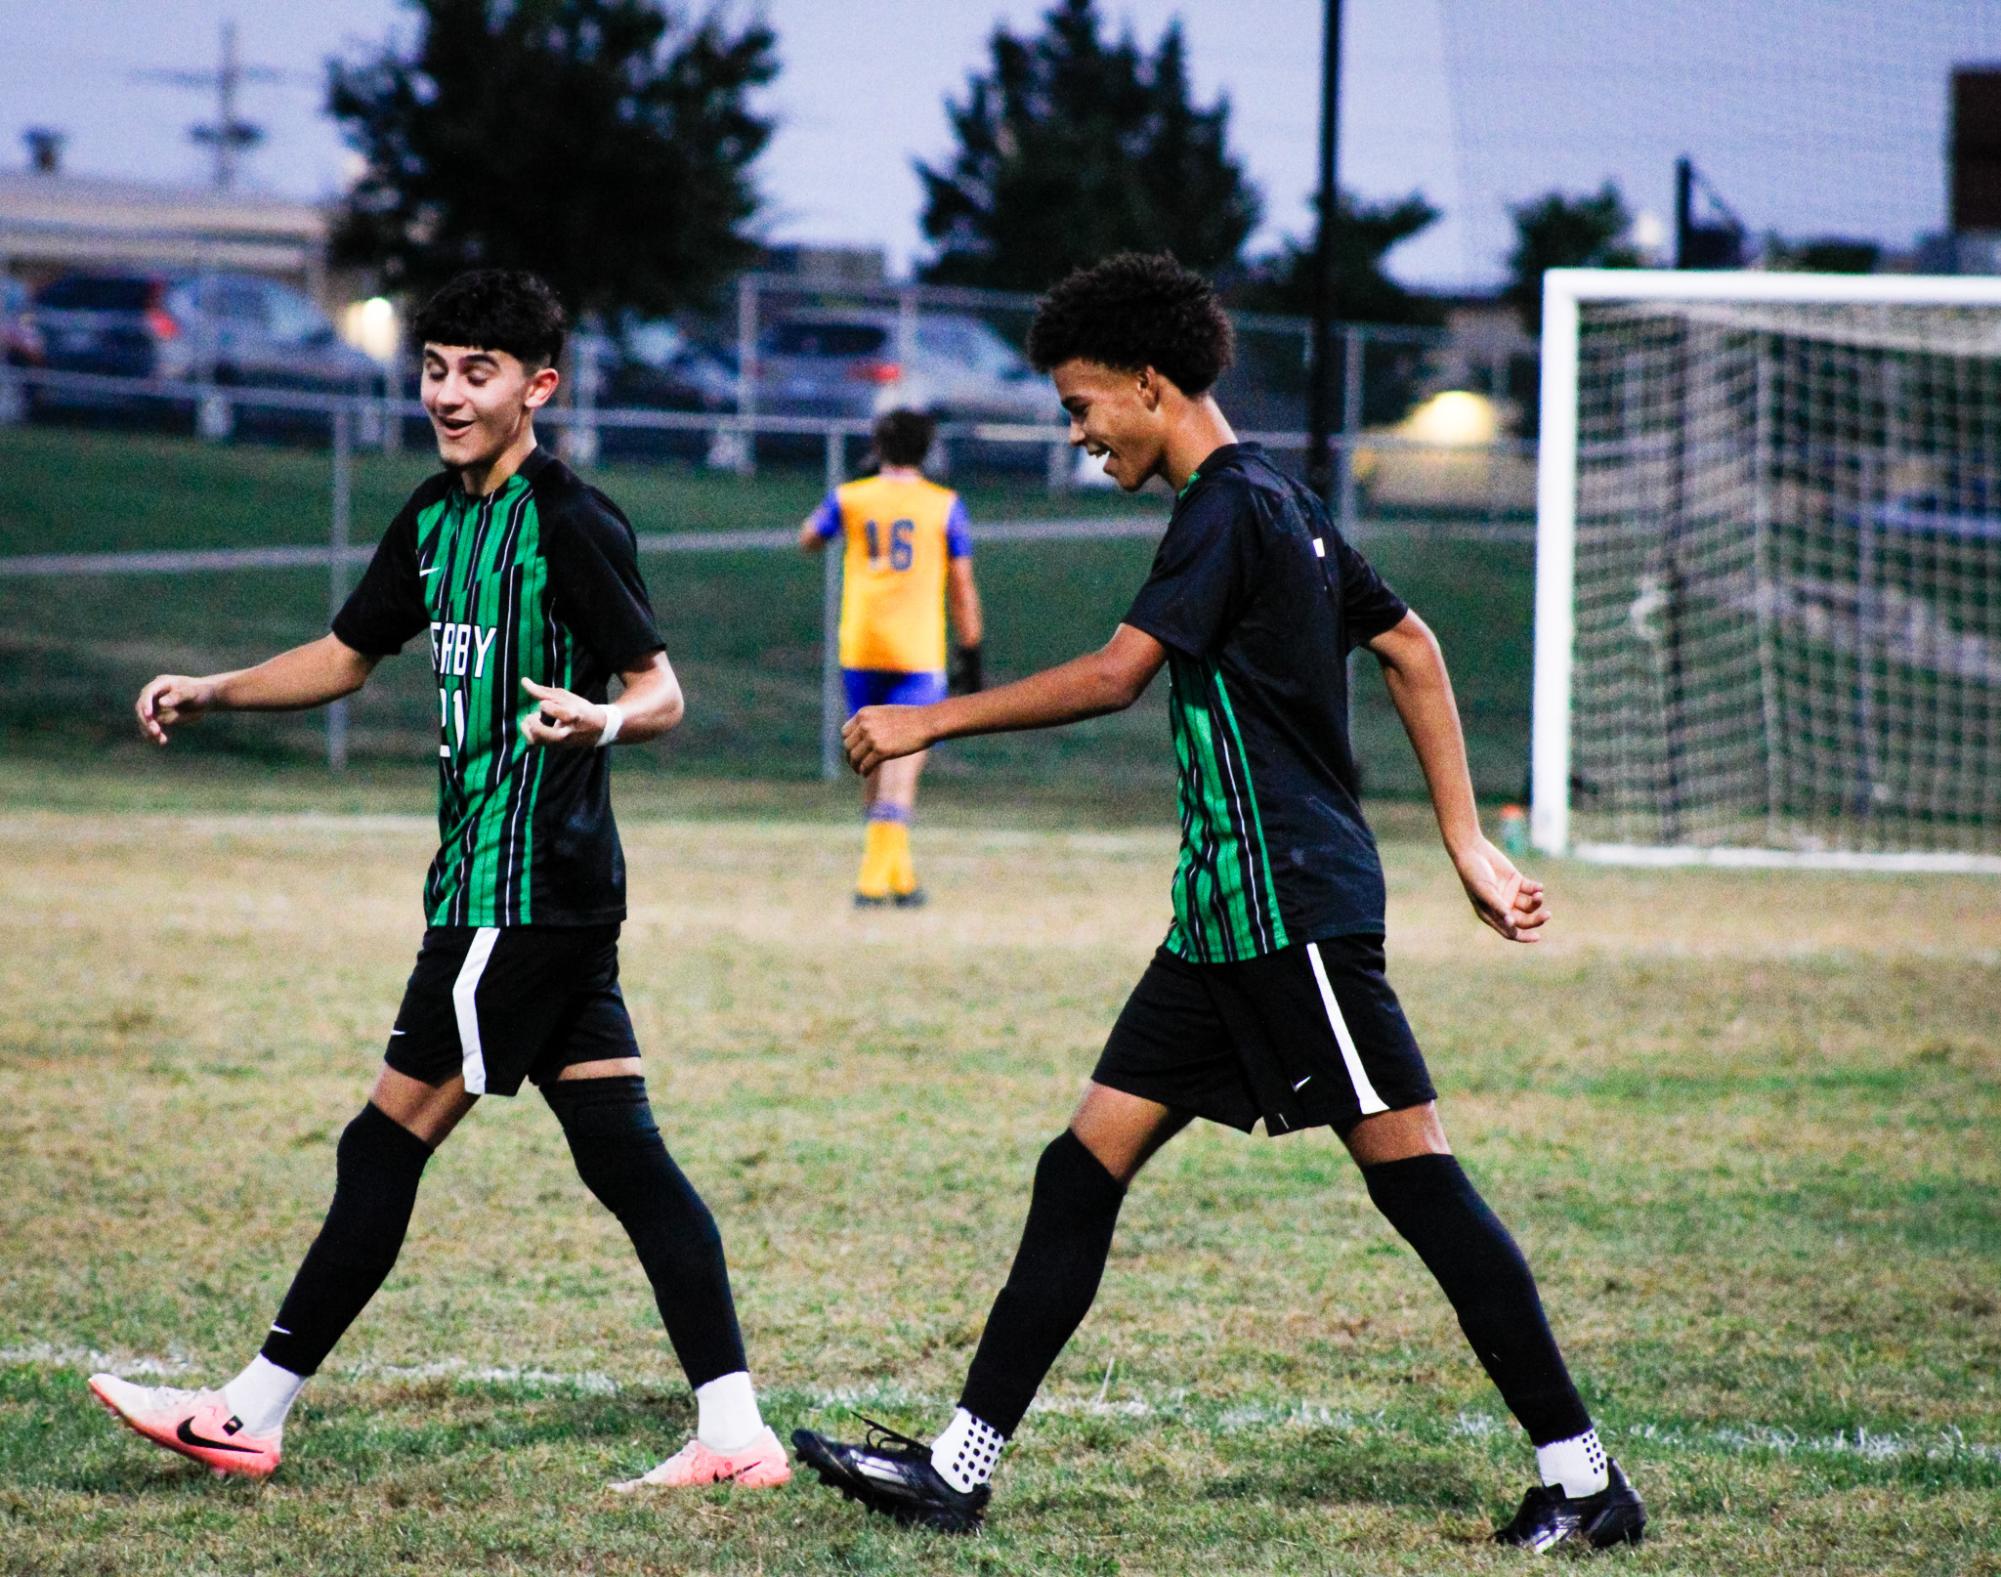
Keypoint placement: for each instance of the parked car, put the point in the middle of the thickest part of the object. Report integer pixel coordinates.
(20, 341)
(228, 329)
(854, 365)
(651, 365)
(657, 358)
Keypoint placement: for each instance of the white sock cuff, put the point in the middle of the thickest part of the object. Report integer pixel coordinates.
(1576, 1466)
(966, 1452)
(726, 1415)
(262, 1395)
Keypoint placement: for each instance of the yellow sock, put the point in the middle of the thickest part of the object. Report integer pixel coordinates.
(902, 873)
(873, 882)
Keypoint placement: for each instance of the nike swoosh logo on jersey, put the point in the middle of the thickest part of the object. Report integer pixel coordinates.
(422, 573)
(187, 1437)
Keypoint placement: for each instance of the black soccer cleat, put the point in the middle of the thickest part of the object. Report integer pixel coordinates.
(1548, 1516)
(892, 1474)
(914, 899)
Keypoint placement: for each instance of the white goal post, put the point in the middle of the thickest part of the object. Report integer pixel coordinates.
(1768, 570)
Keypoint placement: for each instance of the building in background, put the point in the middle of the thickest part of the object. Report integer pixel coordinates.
(1972, 245)
(53, 222)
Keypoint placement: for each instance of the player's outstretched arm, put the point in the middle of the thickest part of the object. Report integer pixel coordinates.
(1107, 680)
(311, 675)
(648, 707)
(1421, 690)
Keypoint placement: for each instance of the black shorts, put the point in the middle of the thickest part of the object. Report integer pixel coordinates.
(500, 1004)
(1308, 1036)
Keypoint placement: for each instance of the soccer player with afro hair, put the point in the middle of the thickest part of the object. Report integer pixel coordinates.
(1267, 1001)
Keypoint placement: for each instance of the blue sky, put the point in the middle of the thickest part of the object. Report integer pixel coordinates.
(1810, 116)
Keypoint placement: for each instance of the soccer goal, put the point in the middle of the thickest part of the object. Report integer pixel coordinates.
(1768, 586)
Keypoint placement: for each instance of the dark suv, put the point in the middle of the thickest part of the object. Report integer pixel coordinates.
(227, 329)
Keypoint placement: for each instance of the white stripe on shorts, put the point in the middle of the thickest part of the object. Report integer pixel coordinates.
(473, 1058)
(1365, 1092)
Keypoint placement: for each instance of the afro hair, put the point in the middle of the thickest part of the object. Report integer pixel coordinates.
(1131, 311)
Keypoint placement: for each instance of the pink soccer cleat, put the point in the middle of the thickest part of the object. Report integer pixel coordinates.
(197, 1424)
(759, 1465)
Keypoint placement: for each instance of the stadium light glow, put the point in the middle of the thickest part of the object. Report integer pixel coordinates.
(1455, 418)
(372, 326)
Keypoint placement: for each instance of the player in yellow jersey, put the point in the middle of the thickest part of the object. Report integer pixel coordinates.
(909, 555)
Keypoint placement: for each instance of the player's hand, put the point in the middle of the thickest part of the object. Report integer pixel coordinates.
(877, 734)
(1506, 900)
(169, 700)
(563, 721)
(967, 674)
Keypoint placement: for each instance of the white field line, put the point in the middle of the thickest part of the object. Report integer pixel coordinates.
(1871, 1445)
(310, 556)
(337, 826)
(1086, 528)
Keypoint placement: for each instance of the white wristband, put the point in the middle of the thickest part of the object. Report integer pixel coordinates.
(614, 720)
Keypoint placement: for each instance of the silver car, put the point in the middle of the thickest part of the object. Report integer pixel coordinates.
(856, 365)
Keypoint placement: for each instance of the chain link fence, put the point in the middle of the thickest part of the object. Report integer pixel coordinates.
(150, 524)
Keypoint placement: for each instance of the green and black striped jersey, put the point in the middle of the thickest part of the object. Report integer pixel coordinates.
(537, 580)
(1259, 599)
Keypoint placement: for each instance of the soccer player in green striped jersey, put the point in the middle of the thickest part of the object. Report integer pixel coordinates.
(525, 582)
(1268, 999)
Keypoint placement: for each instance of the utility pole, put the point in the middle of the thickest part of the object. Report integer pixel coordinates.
(228, 135)
(1718, 241)
(1323, 466)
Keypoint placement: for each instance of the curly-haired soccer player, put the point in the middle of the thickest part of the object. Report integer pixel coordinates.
(1267, 1000)
(528, 584)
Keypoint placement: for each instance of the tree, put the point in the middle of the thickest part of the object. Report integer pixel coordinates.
(1072, 147)
(1364, 234)
(1827, 254)
(1555, 231)
(605, 144)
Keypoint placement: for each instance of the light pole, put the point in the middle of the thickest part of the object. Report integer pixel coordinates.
(1323, 465)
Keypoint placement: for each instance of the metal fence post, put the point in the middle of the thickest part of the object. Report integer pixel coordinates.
(1497, 392)
(746, 373)
(832, 706)
(392, 403)
(1353, 347)
(343, 494)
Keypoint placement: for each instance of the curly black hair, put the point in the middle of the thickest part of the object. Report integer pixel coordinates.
(903, 436)
(1135, 310)
(495, 309)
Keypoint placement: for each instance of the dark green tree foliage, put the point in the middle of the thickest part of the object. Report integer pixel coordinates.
(1364, 234)
(605, 144)
(1555, 231)
(1828, 254)
(1073, 146)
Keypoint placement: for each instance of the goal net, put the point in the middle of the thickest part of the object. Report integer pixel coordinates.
(1768, 613)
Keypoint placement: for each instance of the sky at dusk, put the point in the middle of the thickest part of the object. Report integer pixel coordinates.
(1808, 116)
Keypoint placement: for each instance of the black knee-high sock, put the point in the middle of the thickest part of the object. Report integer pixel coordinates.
(1056, 1271)
(1430, 1201)
(619, 1154)
(377, 1166)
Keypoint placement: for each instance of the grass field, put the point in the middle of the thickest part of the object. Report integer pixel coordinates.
(743, 627)
(1748, 1127)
